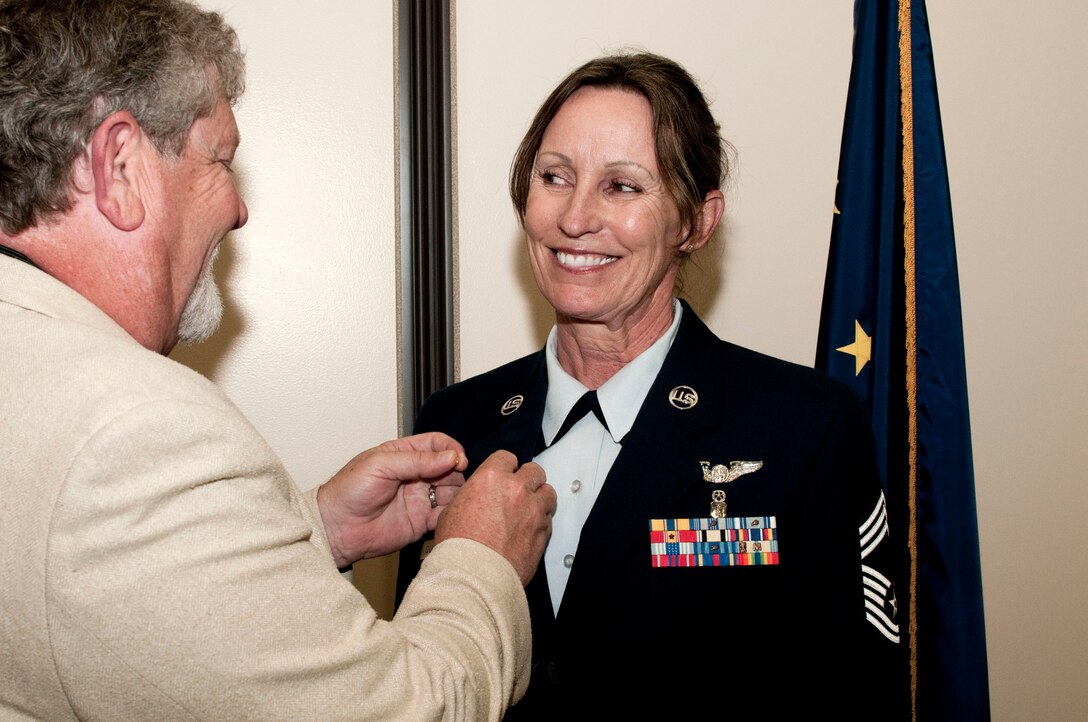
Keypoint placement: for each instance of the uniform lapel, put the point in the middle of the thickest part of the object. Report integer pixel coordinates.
(517, 432)
(518, 429)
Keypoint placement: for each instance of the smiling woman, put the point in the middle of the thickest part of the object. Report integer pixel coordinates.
(617, 183)
(605, 237)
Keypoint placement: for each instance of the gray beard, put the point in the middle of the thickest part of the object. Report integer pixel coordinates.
(202, 313)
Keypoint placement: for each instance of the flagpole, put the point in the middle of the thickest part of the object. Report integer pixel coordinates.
(907, 110)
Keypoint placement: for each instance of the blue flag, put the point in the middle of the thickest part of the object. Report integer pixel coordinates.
(891, 328)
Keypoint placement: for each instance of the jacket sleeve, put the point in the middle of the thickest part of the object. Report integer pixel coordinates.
(411, 556)
(189, 579)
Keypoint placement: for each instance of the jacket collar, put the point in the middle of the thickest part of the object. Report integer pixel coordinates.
(28, 287)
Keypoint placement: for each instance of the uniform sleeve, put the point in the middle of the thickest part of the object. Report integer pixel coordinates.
(189, 579)
(859, 586)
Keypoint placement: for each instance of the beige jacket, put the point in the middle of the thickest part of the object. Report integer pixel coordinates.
(157, 562)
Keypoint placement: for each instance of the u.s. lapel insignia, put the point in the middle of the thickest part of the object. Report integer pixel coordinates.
(721, 474)
(512, 404)
(683, 397)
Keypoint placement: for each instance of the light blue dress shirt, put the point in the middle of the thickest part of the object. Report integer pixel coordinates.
(579, 462)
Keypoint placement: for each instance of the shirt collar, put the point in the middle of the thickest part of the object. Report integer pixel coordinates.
(620, 397)
(11, 252)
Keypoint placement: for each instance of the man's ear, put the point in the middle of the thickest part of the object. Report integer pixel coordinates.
(116, 147)
(706, 221)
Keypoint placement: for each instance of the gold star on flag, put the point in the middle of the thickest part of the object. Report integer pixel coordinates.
(861, 349)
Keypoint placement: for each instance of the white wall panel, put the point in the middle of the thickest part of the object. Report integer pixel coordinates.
(308, 349)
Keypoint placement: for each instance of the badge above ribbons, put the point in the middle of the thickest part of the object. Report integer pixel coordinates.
(720, 540)
(720, 474)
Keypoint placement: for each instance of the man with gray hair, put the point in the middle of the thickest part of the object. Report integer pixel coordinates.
(158, 561)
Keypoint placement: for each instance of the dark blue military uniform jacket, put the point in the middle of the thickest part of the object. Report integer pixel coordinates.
(632, 640)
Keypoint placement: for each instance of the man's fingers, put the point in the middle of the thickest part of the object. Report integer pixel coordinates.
(434, 466)
(530, 474)
(430, 441)
(534, 475)
(443, 494)
(546, 493)
(501, 460)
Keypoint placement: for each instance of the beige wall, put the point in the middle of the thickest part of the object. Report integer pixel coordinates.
(1014, 95)
(776, 73)
(309, 350)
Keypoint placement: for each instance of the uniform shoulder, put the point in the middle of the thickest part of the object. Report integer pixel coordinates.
(492, 383)
(745, 370)
(470, 401)
(778, 377)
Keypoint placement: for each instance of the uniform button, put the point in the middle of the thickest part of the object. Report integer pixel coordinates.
(568, 561)
(575, 486)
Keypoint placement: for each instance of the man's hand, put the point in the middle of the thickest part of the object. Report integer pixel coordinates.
(380, 500)
(507, 508)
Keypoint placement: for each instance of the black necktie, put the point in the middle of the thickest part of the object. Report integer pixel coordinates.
(587, 403)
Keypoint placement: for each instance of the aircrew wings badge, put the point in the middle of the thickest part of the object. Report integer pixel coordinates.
(722, 474)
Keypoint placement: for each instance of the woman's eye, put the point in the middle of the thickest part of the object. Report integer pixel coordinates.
(624, 187)
(552, 179)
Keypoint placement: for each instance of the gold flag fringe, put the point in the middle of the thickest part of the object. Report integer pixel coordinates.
(907, 110)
